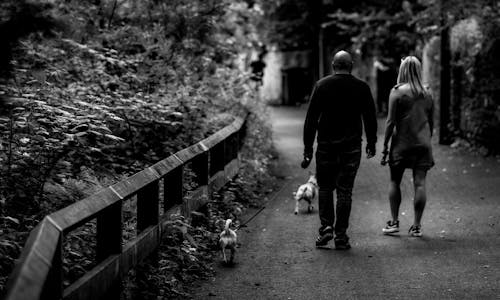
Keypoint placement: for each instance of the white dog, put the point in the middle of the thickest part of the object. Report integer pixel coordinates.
(307, 192)
(228, 240)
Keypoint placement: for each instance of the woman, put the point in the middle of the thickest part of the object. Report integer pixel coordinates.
(410, 125)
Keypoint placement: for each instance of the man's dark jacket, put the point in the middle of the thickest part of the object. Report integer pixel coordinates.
(337, 107)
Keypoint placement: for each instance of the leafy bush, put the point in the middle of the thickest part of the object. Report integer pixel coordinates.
(126, 84)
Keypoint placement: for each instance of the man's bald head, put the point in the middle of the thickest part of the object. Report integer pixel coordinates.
(342, 62)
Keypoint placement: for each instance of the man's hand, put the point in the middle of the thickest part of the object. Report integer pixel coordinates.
(370, 151)
(307, 160)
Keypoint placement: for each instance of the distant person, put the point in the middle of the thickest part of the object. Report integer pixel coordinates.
(340, 105)
(409, 125)
(257, 68)
(382, 92)
(385, 81)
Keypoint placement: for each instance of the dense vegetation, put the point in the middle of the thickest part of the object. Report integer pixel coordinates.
(93, 91)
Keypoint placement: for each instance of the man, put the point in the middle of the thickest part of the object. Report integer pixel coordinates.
(258, 67)
(339, 104)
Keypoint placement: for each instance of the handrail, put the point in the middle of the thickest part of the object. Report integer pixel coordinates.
(38, 272)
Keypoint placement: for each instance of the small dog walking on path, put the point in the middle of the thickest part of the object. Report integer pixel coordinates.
(307, 192)
(228, 240)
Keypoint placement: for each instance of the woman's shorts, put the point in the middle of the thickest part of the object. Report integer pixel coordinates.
(414, 158)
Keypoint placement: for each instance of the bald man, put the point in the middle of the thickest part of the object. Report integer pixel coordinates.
(340, 105)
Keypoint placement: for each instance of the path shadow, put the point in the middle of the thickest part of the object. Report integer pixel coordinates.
(228, 265)
(327, 247)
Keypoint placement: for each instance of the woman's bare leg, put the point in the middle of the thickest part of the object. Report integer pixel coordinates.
(395, 191)
(420, 194)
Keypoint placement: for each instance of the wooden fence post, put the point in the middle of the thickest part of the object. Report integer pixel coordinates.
(53, 288)
(236, 151)
(228, 153)
(231, 155)
(228, 150)
(236, 144)
(217, 163)
(216, 159)
(201, 166)
(242, 134)
(109, 240)
(148, 215)
(147, 206)
(173, 190)
(109, 231)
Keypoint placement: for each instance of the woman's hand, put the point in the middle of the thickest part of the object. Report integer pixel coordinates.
(385, 153)
(370, 150)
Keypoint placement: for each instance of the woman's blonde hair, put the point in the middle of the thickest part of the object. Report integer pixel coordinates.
(410, 71)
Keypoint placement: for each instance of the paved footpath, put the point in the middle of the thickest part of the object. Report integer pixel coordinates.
(458, 257)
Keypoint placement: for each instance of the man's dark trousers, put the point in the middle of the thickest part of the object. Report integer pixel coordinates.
(336, 169)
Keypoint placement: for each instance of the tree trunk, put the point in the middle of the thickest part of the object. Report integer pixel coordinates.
(444, 99)
(316, 19)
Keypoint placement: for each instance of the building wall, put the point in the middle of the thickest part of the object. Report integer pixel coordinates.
(277, 61)
(271, 88)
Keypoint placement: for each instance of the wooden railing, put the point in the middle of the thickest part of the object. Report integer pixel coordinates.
(38, 273)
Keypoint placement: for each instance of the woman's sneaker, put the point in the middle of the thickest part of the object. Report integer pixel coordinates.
(391, 227)
(415, 231)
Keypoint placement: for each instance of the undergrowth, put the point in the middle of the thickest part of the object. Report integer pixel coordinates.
(120, 88)
(189, 250)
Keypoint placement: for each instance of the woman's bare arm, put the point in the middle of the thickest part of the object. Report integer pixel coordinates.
(391, 117)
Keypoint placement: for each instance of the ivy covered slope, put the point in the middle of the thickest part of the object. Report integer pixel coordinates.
(92, 91)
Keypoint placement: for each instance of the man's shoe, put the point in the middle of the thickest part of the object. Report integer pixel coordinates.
(415, 231)
(392, 227)
(325, 235)
(342, 242)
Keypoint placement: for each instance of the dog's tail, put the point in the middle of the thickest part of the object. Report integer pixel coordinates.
(228, 223)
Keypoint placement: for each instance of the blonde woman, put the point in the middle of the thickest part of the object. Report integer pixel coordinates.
(409, 125)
